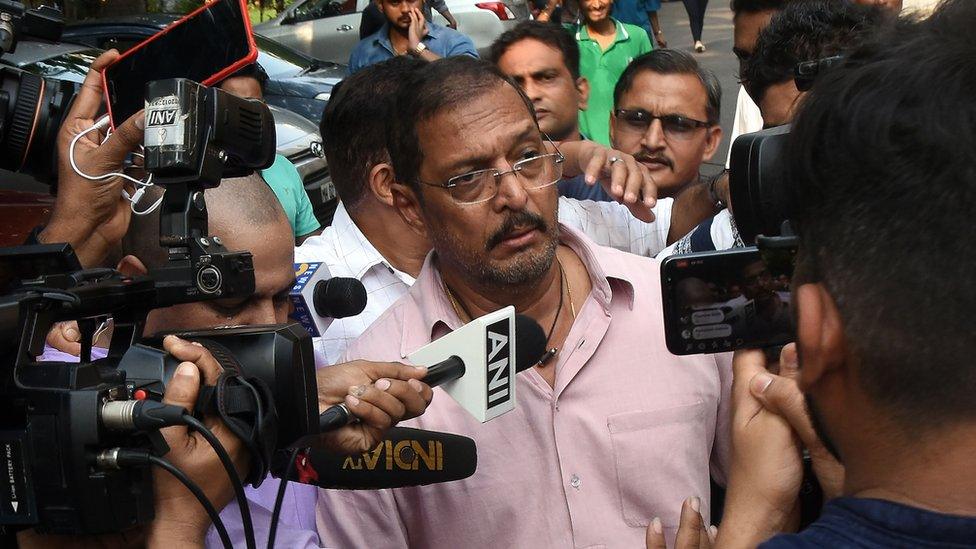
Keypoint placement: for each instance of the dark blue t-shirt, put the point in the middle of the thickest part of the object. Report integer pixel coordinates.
(875, 523)
(576, 187)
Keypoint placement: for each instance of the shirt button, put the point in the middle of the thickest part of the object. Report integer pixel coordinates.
(574, 481)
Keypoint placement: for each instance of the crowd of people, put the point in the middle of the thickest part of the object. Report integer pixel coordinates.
(552, 177)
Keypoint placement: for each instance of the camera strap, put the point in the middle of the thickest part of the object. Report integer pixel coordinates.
(246, 406)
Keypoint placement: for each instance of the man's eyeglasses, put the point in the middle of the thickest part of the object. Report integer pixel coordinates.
(675, 126)
(534, 172)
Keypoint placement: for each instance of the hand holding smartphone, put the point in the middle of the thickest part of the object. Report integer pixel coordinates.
(206, 46)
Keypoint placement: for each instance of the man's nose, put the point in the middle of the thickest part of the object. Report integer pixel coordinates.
(511, 193)
(654, 139)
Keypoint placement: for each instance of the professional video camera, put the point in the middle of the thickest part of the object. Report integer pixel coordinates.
(31, 107)
(77, 438)
(725, 300)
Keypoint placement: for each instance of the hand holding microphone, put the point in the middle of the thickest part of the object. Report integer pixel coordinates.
(476, 364)
(379, 394)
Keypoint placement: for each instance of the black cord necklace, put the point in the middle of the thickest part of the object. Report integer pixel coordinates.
(463, 313)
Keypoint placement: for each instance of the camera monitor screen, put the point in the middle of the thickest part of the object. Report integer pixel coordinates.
(206, 46)
(721, 301)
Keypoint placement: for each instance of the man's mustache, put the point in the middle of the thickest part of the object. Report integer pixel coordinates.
(519, 220)
(648, 157)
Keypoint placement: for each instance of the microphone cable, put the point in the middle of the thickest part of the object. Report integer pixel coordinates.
(197, 492)
(280, 497)
(235, 478)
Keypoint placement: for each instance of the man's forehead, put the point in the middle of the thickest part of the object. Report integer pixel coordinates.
(666, 93)
(530, 55)
(494, 120)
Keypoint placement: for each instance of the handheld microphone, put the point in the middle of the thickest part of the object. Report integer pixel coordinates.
(473, 364)
(406, 457)
(319, 298)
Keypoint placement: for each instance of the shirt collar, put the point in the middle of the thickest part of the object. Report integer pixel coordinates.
(356, 250)
(607, 270)
(382, 36)
(583, 34)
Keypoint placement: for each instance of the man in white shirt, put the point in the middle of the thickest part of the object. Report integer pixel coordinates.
(369, 241)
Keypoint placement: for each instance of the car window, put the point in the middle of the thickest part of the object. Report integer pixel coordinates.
(70, 66)
(318, 9)
(280, 61)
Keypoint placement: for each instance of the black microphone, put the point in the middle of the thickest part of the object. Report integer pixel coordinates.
(406, 457)
(530, 346)
(339, 297)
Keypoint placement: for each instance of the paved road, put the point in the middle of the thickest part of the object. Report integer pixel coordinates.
(718, 57)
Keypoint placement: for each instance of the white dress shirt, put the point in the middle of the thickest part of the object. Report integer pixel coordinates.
(346, 251)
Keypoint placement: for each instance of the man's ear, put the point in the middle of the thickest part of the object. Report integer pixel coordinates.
(131, 265)
(820, 338)
(407, 204)
(583, 87)
(380, 181)
(712, 140)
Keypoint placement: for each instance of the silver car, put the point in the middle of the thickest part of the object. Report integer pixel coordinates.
(329, 29)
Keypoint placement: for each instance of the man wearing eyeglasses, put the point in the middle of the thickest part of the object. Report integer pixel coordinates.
(610, 430)
(666, 110)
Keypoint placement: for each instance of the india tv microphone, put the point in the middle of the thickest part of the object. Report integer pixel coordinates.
(319, 298)
(475, 364)
(405, 457)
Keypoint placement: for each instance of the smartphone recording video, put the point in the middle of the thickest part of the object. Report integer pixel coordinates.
(721, 301)
(206, 46)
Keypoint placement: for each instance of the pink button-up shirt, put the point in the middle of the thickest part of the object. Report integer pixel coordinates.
(626, 434)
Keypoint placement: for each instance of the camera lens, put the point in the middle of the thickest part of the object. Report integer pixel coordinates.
(31, 111)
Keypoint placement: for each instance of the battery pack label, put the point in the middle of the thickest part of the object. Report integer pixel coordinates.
(16, 499)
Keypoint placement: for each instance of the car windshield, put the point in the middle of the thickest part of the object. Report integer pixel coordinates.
(280, 61)
(71, 67)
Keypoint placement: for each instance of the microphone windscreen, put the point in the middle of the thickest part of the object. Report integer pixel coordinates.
(406, 457)
(530, 342)
(339, 297)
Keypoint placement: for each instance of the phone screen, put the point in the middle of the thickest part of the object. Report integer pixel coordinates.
(722, 301)
(205, 46)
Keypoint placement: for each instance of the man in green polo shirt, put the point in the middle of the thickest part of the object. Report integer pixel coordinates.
(606, 48)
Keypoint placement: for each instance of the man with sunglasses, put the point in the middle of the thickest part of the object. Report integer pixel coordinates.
(666, 110)
(610, 429)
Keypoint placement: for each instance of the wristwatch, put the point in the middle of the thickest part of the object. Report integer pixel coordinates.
(421, 48)
(713, 194)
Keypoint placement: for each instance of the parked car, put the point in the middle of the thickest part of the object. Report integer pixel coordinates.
(297, 138)
(329, 29)
(296, 82)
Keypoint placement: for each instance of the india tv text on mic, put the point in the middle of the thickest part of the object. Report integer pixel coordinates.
(406, 457)
(319, 298)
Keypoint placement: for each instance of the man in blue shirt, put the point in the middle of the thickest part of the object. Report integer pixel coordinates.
(881, 180)
(408, 32)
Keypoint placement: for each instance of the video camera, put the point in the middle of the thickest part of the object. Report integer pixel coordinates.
(31, 107)
(77, 439)
(725, 300)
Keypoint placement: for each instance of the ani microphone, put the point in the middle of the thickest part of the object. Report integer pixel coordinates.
(474, 365)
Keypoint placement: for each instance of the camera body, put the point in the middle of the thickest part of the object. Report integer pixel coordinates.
(63, 424)
(194, 137)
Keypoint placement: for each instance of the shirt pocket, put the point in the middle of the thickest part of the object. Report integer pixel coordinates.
(661, 457)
